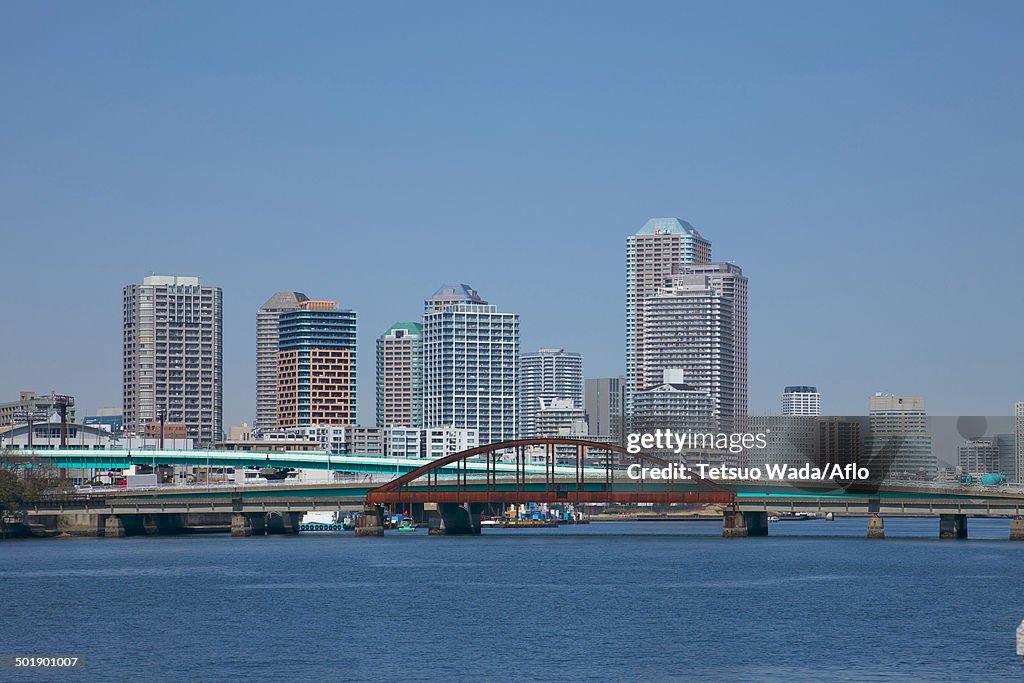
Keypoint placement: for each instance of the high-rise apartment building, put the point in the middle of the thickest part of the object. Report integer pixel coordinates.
(400, 376)
(1018, 474)
(606, 407)
(174, 356)
(697, 323)
(672, 404)
(899, 443)
(560, 417)
(653, 254)
(801, 400)
(729, 282)
(544, 377)
(267, 343)
(470, 364)
(316, 365)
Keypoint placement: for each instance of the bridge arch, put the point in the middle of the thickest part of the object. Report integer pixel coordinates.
(607, 484)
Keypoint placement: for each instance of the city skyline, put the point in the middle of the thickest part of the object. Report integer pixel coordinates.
(829, 182)
(364, 419)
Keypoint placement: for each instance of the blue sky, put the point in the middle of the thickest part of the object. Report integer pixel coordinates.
(861, 161)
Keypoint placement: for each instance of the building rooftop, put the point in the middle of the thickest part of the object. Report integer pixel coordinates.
(171, 280)
(284, 300)
(667, 226)
(411, 328)
(461, 292)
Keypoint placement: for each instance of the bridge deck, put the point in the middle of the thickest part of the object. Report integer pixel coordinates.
(327, 497)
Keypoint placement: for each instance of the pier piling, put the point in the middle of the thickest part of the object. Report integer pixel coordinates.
(876, 526)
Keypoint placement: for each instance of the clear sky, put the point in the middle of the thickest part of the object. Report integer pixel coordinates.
(860, 161)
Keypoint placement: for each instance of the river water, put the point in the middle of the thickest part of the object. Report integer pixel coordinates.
(608, 601)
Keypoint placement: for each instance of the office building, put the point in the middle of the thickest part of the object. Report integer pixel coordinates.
(1007, 445)
(31, 404)
(697, 323)
(899, 445)
(109, 419)
(653, 254)
(801, 400)
(978, 456)
(838, 440)
(790, 440)
(174, 356)
(605, 407)
(546, 376)
(400, 376)
(470, 364)
(316, 365)
(267, 346)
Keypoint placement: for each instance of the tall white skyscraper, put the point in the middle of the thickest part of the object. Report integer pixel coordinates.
(470, 364)
(697, 323)
(174, 356)
(653, 254)
(267, 340)
(801, 400)
(545, 376)
(1019, 434)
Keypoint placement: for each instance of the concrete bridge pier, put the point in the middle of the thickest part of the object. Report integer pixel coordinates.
(1017, 528)
(733, 524)
(241, 524)
(371, 522)
(455, 519)
(113, 527)
(876, 526)
(737, 524)
(952, 526)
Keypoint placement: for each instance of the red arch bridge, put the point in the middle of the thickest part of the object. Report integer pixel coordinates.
(598, 474)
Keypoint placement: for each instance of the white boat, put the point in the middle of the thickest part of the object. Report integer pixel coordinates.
(320, 518)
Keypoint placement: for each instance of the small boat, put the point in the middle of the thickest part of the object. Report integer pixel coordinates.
(505, 523)
(273, 473)
(320, 521)
(407, 524)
